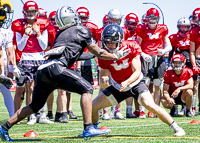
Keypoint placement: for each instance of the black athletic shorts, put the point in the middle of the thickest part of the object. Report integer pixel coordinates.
(197, 77)
(149, 69)
(178, 100)
(133, 92)
(56, 76)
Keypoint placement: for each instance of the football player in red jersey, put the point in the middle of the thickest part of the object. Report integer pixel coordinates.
(126, 78)
(181, 44)
(130, 23)
(194, 23)
(178, 85)
(153, 37)
(31, 38)
(195, 57)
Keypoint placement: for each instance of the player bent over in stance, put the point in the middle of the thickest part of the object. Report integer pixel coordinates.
(54, 73)
(126, 79)
(178, 85)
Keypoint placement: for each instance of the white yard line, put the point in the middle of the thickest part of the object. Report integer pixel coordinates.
(108, 127)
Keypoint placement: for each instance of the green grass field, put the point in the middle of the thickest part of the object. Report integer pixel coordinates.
(129, 130)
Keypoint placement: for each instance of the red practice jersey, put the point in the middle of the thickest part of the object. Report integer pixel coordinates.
(195, 37)
(32, 45)
(52, 31)
(193, 26)
(121, 69)
(152, 39)
(175, 81)
(178, 41)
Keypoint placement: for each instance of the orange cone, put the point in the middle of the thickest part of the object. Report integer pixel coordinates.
(194, 122)
(31, 134)
(103, 128)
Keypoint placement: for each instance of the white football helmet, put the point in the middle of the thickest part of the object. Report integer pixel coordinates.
(66, 17)
(116, 15)
(184, 22)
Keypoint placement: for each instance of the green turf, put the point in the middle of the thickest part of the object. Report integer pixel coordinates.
(129, 130)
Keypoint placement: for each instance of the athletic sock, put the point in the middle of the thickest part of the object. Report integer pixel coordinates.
(6, 126)
(105, 110)
(87, 126)
(128, 109)
(118, 110)
(174, 126)
(142, 108)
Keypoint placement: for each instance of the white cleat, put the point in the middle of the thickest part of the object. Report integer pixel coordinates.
(106, 116)
(179, 132)
(119, 116)
(43, 120)
(32, 120)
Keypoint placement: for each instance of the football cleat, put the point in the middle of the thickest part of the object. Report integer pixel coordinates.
(193, 111)
(136, 113)
(189, 114)
(4, 135)
(106, 116)
(62, 117)
(130, 115)
(71, 115)
(32, 120)
(142, 115)
(92, 132)
(119, 115)
(50, 115)
(183, 111)
(179, 132)
(112, 113)
(174, 112)
(43, 120)
(150, 114)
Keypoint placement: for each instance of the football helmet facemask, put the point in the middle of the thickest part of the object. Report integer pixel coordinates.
(131, 21)
(184, 22)
(152, 17)
(178, 62)
(30, 10)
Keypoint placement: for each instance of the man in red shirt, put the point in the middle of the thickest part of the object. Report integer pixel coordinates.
(153, 37)
(178, 85)
(126, 78)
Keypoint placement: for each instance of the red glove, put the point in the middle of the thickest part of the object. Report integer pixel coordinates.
(196, 70)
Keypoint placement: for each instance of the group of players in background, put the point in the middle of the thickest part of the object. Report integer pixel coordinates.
(34, 35)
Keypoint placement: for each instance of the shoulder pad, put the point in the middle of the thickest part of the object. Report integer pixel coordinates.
(91, 25)
(44, 23)
(18, 25)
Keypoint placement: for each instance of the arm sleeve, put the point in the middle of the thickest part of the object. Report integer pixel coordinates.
(43, 39)
(9, 39)
(21, 41)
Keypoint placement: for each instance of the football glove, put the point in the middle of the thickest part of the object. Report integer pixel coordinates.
(6, 81)
(122, 53)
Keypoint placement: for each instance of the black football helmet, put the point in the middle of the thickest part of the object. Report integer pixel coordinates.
(112, 33)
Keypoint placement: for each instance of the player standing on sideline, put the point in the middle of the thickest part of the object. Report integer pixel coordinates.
(178, 85)
(181, 44)
(8, 64)
(54, 73)
(131, 23)
(31, 37)
(153, 37)
(126, 78)
(195, 58)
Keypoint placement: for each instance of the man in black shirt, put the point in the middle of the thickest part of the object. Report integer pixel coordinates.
(54, 73)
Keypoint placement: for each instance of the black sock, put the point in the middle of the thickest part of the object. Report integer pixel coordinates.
(187, 110)
(49, 112)
(6, 126)
(87, 126)
(57, 113)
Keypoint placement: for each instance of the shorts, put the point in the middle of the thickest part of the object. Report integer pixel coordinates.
(133, 92)
(51, 76)
(30, 68)
(22, 79)
(154, 70)
(86, 73)
(197, 77)
(178, 99)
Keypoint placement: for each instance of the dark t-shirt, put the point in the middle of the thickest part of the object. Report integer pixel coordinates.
(75, 39)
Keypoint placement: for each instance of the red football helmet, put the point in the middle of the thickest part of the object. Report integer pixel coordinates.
(30, 10)
(52, 16)
(195, 13)
(105, 21)
(131, 21)
(83, 14)
(42, 13)
(178, 62)
(152, 17)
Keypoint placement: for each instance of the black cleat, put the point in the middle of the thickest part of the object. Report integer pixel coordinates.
(50, 115)
(62, 117)
(189, 114)
(71, 115)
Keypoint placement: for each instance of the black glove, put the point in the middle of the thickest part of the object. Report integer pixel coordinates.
(6, 81)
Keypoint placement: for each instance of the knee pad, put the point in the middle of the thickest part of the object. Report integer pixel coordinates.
(158, 82)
